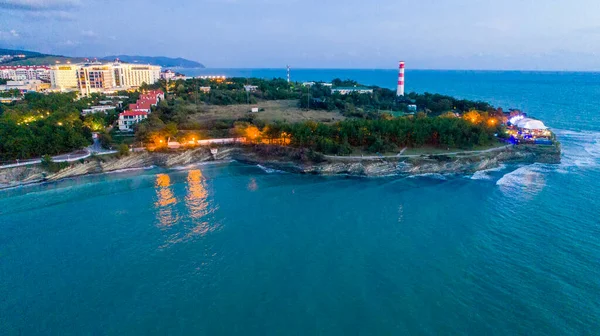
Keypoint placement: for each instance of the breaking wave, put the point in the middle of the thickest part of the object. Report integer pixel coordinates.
(485, 174)
(526, 180)
(269, 170)
(580, 150)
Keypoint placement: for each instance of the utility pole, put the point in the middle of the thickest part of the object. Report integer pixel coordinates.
(196, 92)
(247, 92)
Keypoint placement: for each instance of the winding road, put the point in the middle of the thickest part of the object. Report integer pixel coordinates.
(95, 149)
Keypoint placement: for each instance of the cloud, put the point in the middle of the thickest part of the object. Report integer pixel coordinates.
(69, 43)
(88, 33)
(53, 15)
(8, 35)
(39, 5)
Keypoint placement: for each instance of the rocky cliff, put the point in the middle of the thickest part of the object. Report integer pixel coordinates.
(405, 165)
(292, 160)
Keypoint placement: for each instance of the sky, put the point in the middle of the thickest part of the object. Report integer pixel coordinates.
(427, 34)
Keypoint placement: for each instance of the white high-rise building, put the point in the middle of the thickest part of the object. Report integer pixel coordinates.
(64, 77)
(134, 75)
(98, 77)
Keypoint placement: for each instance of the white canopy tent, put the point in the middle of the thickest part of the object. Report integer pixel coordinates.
(531, 124)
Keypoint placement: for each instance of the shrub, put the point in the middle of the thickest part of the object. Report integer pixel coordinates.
(123, 150)
(53, 167)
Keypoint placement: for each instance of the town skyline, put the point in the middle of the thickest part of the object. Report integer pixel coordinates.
(467, 34)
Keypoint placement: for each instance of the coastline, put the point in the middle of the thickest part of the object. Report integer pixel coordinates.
(293, 160)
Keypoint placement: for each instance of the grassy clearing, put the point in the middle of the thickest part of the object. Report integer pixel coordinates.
(436, 150)
(426, 150)
(277, 110)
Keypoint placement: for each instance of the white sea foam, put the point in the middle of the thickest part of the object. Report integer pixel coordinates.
(269, 170)
(431, 175)
(124, 170)
(199, 164)
(579, 149)
(526, 180)
(485, 174)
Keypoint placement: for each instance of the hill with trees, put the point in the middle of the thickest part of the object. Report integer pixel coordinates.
(166, 62)
(441, 121)
(36, 58)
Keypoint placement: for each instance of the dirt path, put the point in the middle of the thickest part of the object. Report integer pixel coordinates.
(400, 155)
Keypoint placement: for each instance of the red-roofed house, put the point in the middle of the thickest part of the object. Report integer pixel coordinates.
(158, 94)
(142, 105)
(129, 118)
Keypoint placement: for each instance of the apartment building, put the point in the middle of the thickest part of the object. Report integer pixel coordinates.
(25, 72)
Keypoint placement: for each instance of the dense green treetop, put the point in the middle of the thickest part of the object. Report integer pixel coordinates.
(48, 124)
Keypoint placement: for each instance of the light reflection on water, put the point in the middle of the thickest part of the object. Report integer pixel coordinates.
(167, 212)
(252, 185)
(198, 204)
(193, 224)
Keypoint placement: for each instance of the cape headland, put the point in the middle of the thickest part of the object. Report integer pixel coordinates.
(293, 160)
(334, 128)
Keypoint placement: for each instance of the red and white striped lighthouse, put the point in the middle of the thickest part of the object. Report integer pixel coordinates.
(400, 90)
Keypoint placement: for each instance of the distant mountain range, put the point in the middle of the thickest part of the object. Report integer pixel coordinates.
(166, 62)
(20, 52)
(36, 58)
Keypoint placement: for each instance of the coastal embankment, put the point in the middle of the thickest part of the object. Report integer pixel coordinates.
(294, 160)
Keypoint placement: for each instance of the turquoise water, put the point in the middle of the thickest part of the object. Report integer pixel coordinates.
(233, 249)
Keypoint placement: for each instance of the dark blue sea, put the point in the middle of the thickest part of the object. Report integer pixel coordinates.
(232, 249)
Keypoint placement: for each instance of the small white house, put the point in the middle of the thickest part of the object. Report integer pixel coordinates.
(250, 88)
(254, 110)
(129, 118)
(96, 109)
(349, 90)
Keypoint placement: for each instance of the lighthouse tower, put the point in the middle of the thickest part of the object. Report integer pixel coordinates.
(400, 90)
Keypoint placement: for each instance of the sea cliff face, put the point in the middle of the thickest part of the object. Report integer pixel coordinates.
(292, 160)
(408, 165)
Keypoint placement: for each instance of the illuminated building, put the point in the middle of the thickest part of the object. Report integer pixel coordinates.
(102, 77)
(134, 75)
(25, 72)
(24, 85)
(64, 77)
(96, 78)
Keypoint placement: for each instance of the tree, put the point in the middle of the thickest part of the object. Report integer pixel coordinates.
(170, 129)
(105, 140)
(123, 150)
